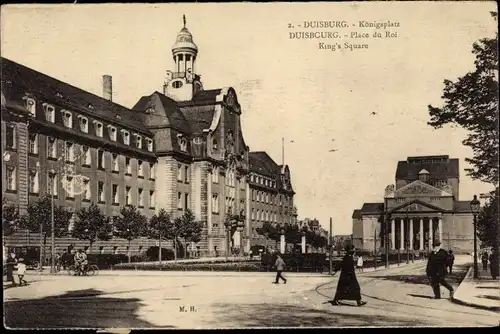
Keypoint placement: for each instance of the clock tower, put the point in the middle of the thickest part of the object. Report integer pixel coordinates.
(182, 83)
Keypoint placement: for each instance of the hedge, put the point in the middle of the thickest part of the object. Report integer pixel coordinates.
(206, 266)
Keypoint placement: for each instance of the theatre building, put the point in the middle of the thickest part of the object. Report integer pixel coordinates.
(423, 206)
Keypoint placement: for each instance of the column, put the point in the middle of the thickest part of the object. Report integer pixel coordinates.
(440, 229)
(431, 232)
(411, 234)
(303, 244)
(402, 235)
(421, 234)
(282, 244)
(393, 233)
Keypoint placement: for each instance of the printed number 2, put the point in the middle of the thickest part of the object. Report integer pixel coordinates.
(290, 25)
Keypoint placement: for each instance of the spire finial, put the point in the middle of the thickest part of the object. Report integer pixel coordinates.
(184, 19)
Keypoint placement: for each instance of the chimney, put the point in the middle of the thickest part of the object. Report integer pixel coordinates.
(107, 87)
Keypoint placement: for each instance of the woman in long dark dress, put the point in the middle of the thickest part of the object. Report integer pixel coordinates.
(348, 286)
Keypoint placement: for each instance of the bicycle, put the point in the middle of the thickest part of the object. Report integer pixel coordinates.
(88, 270)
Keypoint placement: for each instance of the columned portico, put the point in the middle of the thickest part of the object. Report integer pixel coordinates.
(405, 231)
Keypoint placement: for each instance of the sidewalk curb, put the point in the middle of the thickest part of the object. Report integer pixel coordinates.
(459, 301)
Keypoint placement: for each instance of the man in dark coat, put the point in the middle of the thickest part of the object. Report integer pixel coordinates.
(436, 270)
(494, 264)
(348, 286)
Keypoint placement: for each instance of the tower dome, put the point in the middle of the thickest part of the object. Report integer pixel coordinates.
(184, 41)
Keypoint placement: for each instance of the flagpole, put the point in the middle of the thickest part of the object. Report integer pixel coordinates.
(283, 151)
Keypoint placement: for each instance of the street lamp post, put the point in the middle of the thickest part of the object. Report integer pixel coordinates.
(475, 205)
(386, 224)
(52, 224)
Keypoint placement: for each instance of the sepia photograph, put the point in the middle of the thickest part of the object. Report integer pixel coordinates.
(250, 165)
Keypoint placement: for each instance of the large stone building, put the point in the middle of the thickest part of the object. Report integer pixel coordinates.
(182, 148)
(271, 194)
(423, 206)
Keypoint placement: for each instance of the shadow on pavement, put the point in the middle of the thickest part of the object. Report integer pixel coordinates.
(454, 278)
(75, 309)
(285, 315)
(487, 287)
(420, 296)
(489, 297)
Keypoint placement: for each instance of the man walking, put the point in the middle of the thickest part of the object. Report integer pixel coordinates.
(436, 270)
(280, 267)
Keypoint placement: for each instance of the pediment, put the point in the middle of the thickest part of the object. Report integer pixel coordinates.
(419, 188)
(416, 206)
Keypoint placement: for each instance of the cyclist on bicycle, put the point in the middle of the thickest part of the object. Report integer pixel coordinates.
(80, 262)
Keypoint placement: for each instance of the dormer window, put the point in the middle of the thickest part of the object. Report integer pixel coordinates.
(90, 106)
(84, 123)
(214, 144)
(98, 128)
(59, 95)
(126, 137)
(150, 111)
(31, 106)
(50, 113)
(183, 144)
(67, 119)
(423, 175)
(138, 141)
(112, 132)
(150, 144)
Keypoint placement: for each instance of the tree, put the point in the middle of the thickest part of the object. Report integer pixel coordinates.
(487, 222)
(39, 215)
(130, 225)
(269, 231)
(160, 226)
(91, 225)
(471, 102)
(10, 218)
(190, 229)
(292, 234)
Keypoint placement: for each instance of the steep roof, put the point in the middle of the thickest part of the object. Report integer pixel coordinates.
(462, 206)
(408, 170)
(17, 80)
(199, 118)
(356, 214)
(261, 163)
(372, 208)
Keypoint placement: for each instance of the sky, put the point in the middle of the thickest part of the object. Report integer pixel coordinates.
(318, 100)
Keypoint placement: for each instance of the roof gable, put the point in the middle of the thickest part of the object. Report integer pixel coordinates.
(261, 163)
(416, 206)
(419, 188)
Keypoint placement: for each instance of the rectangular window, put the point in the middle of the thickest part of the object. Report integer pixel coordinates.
(179, 172)
(215, 203)
(128, 196)
(140, 194)
(186, 174)
(152, 199)
(33, 182)
(69, 153)
(152, 172)
(140, 169)
(150, 144)
(253, 214)
(215, 175)
(186, 201)
(86, 190)
(115, 163)
(51, 147)
(258, 215)
(179, 201)
(128, 167)
(11, 178)
(70, 187)
(52, 183)
(100, 160)
(84, 124)
(86, 156)
(126, 137)
(33, 149)
(10, 137)
(116, 199)
(112, 132)
(100, 192)
(50, 114)
(67, 119)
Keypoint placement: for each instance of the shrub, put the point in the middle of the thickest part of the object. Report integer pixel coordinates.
(207, 266)
(166, 254)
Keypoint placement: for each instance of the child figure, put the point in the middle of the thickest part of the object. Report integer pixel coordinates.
(21, 271)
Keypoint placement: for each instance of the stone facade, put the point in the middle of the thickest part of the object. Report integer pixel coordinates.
(422, 208)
